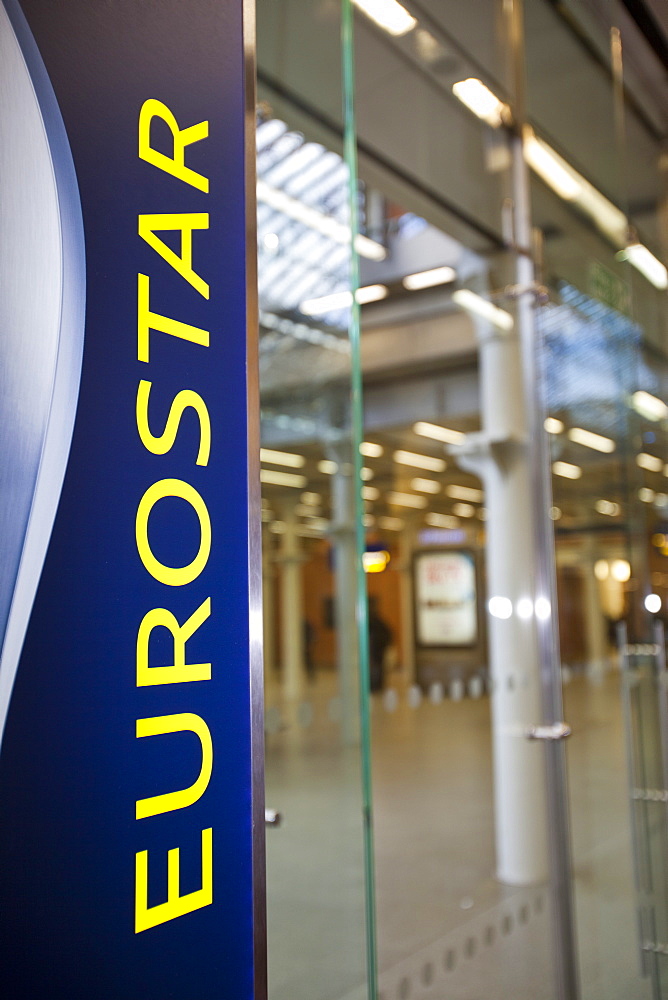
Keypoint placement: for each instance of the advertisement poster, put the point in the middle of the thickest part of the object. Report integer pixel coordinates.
(445, 598)
(130, 799)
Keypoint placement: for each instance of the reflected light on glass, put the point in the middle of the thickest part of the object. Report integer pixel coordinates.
(370, 293)
(342, 300)
(566, 470)
(388, 15)
(644, 261)
(271, 241)
(418, 461)
(463, 510)
(480, 100)
(653, 603)
(500, 607)
(442, 520)
(597, 442)
(649, 462)
(367, 474)
(607, 507)
(313, 499)
(474, 303)
(646, 495)
(553, 426)
(620, 570)
(281, 458)
(424, 429)
(429, 279)
(601, 569)
(370, 493)
(555, 513)
(375, 562)
(649, 406)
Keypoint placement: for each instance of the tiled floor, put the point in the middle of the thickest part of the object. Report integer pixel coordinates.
(446, 928)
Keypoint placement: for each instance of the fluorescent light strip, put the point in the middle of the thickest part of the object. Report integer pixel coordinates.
(396, 499)
(644, 261)
(474, 303)
(463, 510)
(313, 499)
(464, 493)
(314, 219)
(442, 520)
(551, 167)
(649, 462)
(419, 461)
(648, 406)
(370, 449)
(388, 15)
(646, 495)
(607, 507)
(438, 433)
(480, 100)
(370, 492)
(367, 474)
(590, 440)
(342, 300)
(328, 467)
(281, 458)
(282, 478)
(553, 426)
(391, 523)
(429, 279)
(566, 470)
(425, 485)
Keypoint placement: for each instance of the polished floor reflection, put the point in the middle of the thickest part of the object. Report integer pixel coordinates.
(446, 928)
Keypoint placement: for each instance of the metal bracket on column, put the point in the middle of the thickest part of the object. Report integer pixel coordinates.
(552, 733)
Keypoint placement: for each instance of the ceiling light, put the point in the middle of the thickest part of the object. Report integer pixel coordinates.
(370, 492)
(500, 607)
(646, 495)
(649, 462)
(342, 300)
(566, 470)
(368, 520)
(590, 440)
(481, 307)
(367, 474)
(607, 507)
(282, 478)
(425, 485)
(314, 219)
(391, 523)
(375, 562)
(370, 449)
(645, 262)
(278, 527)
(281, 458)
(397, 499)
(601, 569)
(480, 100)
(621, 570)
(464, 493)
(551, 167)
(553, 426)
(428, 279)
(463, 510)
(649, 406)
(328, 467)
(442, 520)
(653, 603)
(388, 15)
(555, 513)
(271, 241)
(313, 499)
(438, 433)
(419, 461)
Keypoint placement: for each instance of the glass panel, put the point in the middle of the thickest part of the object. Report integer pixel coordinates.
(595, 193)
(315, 737)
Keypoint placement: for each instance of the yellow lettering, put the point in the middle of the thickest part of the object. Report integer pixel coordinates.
(185, 222)
(171, 801)
(176, 906)
(162, 444)
(179, 672)
(173, 576)
(181, 137)
(147, 321)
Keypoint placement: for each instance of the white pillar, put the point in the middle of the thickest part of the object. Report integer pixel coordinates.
(289, 559)
(500, 457)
